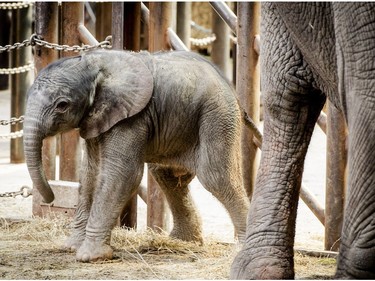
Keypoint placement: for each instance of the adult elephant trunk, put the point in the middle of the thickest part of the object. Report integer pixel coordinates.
(33, 142)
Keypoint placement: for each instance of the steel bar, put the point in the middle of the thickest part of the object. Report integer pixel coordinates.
(226, 14)
(335, 181)
(85, 36)
(70, 151)
(160, 17)
(175, 41)
(248, 85)
(20, 82)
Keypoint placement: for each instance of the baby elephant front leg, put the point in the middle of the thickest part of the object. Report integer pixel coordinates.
(109, 199)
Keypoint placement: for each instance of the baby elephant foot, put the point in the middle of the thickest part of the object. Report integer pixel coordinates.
(191, 235)
(74, 241)
(94, 251)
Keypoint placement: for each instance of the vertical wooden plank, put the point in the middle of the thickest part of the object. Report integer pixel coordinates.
(126, 26)
(70, 150)
(248, 83)
(103, 23)
(220, 47)
(335, 181)
(5, 24)
(46, 26)
(183, 22)
(159, 21)
(20, 82)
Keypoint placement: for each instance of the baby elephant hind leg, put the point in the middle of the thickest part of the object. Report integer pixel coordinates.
(220, 173)
(187, 224)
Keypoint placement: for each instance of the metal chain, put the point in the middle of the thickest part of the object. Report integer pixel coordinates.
(17, 70)
(13, 6)
(36, 40)
(12, 121)
(203, 41)
(12, 135)
(25, 192)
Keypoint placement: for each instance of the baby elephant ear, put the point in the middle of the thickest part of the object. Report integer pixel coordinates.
(123, 88)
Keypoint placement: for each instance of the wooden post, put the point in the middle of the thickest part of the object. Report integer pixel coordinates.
(4, 40)
(20, 82)
(47, 28)
(183, 22)
(70, 151)
(159, 21)
(335, 181)
(126, 27)
(220, 47)
(103, 23)
(248, 84)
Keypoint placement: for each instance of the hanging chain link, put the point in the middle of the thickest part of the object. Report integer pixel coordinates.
(25, 192)
(12, 135)
(12, 121)
(13, 6)
(17, 70)
(203, 41)
(36, 40)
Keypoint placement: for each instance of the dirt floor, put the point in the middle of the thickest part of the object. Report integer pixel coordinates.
(32, 250)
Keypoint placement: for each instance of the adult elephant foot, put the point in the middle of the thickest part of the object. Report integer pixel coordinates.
(94, 251)
(256, 264)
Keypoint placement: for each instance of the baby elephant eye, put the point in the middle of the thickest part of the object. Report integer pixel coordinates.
(62, 106)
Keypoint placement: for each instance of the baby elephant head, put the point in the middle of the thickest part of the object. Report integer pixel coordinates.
(91, 92)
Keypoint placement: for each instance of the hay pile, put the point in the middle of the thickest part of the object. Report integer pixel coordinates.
(32, 250)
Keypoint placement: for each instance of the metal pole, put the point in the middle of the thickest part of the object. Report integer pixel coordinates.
(159, 21)
(126, 27)
(21, 82)
(47, 28)
(335, 181)
(226, 14)
(70, 151)
(248, 84)
(220, 47)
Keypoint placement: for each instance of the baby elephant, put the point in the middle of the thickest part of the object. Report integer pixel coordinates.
(172, 110)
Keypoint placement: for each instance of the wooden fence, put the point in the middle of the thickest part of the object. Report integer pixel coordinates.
(135, 26)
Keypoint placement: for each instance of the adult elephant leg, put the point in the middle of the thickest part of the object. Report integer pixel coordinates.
(187, 223)
(357, 249)
(88, 182)
(121, 171)
(291, 105)
(357, 85)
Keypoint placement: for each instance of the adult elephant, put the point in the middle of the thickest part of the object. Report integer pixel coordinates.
(311, 51)
(173, 110)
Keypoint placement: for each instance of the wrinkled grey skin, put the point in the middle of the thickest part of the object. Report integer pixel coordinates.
(311, 51)
(172, 110)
